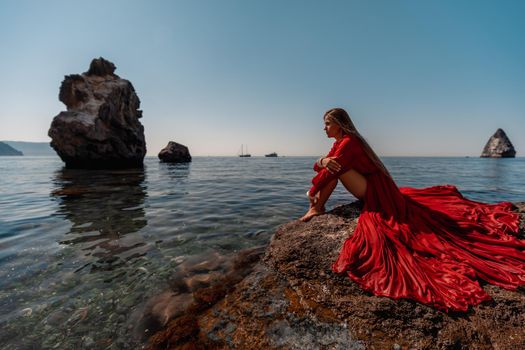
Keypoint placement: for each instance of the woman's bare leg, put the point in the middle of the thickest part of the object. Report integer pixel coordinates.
(322, 197)
(354, 182)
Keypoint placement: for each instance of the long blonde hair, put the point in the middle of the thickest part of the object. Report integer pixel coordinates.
(341, 118)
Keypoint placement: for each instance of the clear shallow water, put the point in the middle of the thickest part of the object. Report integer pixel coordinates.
(80, 250)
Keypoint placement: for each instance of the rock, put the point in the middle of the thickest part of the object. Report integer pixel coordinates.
(234, 269)
(157, 311)
(291, 299)
(170, 305)
(498, 146)
(6, 150)
(101, 67)
(175, 153)
(201, 280)
(101, 127)
(202, 263)
(88, 342)
(26, 312)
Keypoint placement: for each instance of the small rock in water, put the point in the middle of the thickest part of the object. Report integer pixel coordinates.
(78, 315)
(88, 341)
(26, 312)
(178, 260)
(41, 307)
(159, 310)
(175, 153)
(202, 280)
(208, 265)
(202, 263)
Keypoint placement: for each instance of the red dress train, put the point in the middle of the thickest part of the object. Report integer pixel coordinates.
(430, 245)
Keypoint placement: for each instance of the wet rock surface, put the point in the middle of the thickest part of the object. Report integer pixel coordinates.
(101, 127)
(498, 146)
(292, 300)
(175, 153)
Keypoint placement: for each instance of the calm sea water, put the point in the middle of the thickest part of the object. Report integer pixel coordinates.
(80, 250)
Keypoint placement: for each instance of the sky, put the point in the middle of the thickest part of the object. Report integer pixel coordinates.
(419, 78)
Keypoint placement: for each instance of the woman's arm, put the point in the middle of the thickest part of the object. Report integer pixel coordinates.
(318, 165)
(343, 156)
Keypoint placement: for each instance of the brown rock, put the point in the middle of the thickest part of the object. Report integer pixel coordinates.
(175, 153)
(202, 280)
(157, 312)
(101, 127)
(168, 306)
(101, 67)
(293, 300)
(181, 331)
(209, 261)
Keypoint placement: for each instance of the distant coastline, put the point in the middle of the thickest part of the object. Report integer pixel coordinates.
(32, 148)
(6, 150)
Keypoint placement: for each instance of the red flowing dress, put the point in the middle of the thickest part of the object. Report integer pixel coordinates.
(430, 245)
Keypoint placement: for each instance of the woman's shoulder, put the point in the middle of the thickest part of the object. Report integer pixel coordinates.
(351, 143)
(345, 138)
(348, 143)
(349, 139)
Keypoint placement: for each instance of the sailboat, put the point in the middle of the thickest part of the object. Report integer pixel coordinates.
(244, 154)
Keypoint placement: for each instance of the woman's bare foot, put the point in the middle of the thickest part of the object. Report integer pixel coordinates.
(313, 211)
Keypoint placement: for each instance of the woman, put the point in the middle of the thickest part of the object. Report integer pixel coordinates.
(430, 244)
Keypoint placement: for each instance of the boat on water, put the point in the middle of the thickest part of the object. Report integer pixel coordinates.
(273, 154)
(244, 154)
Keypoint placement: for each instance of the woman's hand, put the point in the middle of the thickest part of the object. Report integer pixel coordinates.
(331, 164)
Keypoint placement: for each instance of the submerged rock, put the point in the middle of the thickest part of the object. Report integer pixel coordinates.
(498, 146)
(175, 153)
(101, 127)
(197, 283)
(293, 300)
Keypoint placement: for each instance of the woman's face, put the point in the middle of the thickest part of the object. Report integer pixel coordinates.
(331, 128)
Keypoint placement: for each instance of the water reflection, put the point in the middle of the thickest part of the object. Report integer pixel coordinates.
(497, 172)
(174, 171)
(106, 209)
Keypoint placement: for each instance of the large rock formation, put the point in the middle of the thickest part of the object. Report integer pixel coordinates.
(498, 146)
(292, 300)
(101, 127)
(175, 153)
(6, 150)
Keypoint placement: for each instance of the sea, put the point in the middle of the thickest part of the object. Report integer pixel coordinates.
(82, 250)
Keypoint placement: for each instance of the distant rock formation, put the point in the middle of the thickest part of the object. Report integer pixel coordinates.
(498, 146)
(293, 300)
(175, 153)
(101, 127)
(6, 150)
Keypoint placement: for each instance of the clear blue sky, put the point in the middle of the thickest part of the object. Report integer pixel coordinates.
(419, 77)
